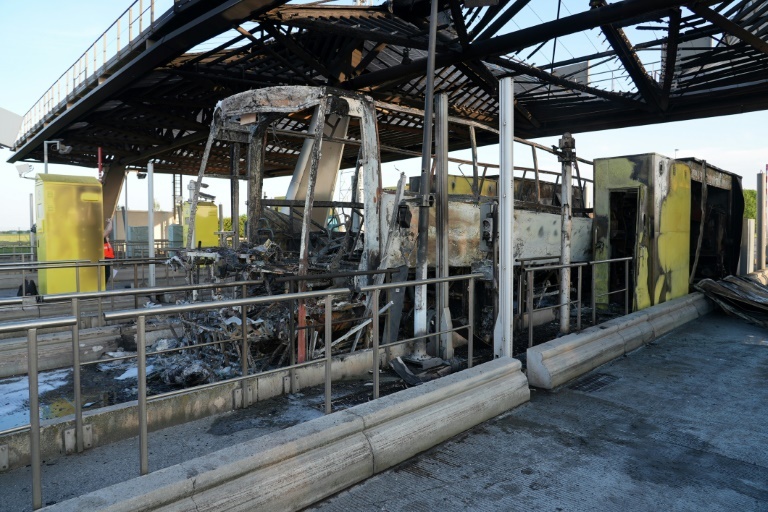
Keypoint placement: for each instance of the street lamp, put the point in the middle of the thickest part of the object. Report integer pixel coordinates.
(57, 146)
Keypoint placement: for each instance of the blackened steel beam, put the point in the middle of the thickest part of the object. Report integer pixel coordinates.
(619, 41)
(502, 20)
(670, 60)
(297, 50)
(170, 46)
(378, 36)
(521, 68)
(730, 27)
(159, 150)
(518, 40)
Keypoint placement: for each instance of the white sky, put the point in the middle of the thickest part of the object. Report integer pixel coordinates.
(40, 39)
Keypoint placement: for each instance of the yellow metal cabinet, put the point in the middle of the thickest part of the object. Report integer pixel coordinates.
(69, 227)
(206, 224)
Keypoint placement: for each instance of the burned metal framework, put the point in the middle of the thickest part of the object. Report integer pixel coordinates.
(156, 101)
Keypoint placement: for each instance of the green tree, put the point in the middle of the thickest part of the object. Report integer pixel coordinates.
(750, 204)
(228, 224)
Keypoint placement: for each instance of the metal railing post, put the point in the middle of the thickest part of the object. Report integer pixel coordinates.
(328, 326)
(470, 321)
(626, 287)
(77, 278)
(99, 273)
(34, 419)
(292, 340)
(142, 364)
(135, 284)
(244, 349)
(529, 306)
(375, 335)
(593, 298)
(578, 300)
(23, 283)
(76, 375)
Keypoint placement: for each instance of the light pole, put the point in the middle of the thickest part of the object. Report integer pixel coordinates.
(58, 146)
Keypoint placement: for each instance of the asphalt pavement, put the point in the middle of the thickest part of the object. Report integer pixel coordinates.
(677, 425)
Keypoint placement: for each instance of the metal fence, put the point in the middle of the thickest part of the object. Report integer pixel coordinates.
(243, 302)
(528, 279)
(129, 31)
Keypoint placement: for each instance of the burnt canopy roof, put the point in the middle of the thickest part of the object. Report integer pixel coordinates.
(636, 62)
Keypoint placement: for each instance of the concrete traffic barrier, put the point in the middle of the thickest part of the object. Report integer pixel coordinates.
(303, 464)
(556, 362)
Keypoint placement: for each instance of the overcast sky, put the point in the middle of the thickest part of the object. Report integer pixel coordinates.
(40, 39)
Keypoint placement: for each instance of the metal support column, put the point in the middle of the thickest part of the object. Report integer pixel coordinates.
(255, 179)
(502, 335)
(761, 218)
(234, 187)
(420, 313)
(151, 220)
(443, 322)
(566, 156)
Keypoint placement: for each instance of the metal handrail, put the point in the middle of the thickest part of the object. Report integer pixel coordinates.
(626, 261)
(31, 326)
(61, 297)
(529, 271)
(529, 289)
(85, 68)
(141, 355)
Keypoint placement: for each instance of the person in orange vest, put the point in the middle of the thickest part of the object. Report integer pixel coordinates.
(109, 252)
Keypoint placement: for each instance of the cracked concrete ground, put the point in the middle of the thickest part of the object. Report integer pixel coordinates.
(676, 425)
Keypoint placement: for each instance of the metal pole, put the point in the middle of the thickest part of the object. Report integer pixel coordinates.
(328, 326)
(420, 312)
(626, 287)
(31, 223)
(100, 273)
(135, 285)
(470, 321)
(502, 335)
(34, 419)
(578, 301)
(443, 318)
(529, 307)
(45, 157)
(151, 219)
(567, 145)
(592, 294)
(375, 335)
(142, 364)
(244, 349)
(76, 375)
(761, 220)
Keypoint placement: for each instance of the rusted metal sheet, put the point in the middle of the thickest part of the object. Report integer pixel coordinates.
(715, 177)
(745, 297)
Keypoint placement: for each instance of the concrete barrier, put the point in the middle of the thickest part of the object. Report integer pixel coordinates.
(556, 362)
(301, 465)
